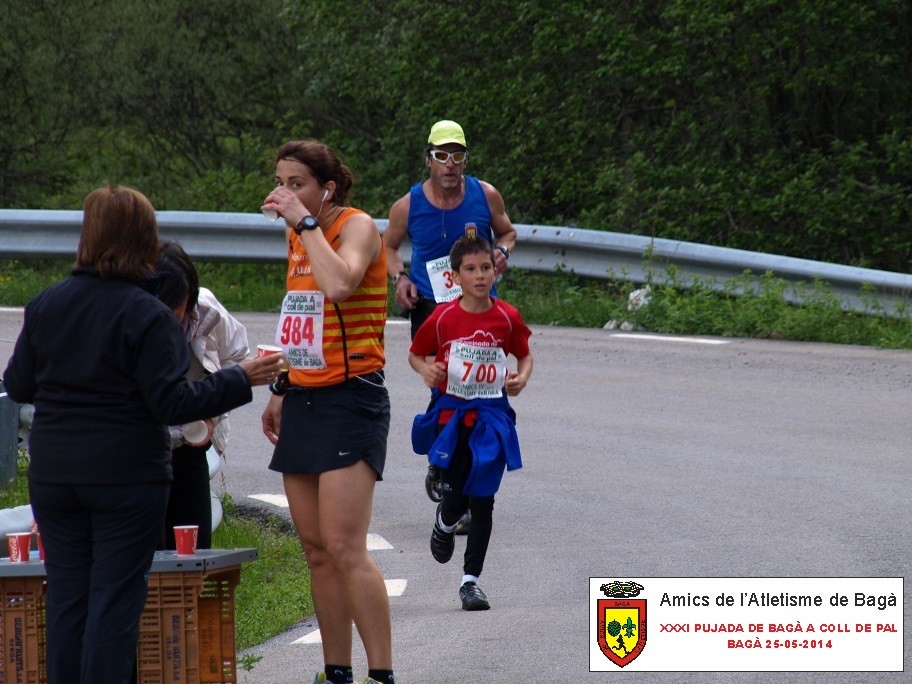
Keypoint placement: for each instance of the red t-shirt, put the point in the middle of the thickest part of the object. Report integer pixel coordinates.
(500, 326)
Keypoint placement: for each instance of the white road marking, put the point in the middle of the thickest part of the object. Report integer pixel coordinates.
(374, 541)
(665, 338)
(279, 500)
(394, 587)
(312, 638)
(377, 543)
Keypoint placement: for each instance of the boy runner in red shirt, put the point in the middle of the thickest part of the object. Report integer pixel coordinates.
(469, 430)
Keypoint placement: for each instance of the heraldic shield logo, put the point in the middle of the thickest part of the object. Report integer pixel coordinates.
(621, 622)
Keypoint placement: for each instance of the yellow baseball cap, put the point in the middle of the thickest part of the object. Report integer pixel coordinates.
(446, 131)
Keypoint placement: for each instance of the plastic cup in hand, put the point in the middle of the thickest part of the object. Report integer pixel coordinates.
(267, 350)
(196, 431)
(19, 544)
(185, 537)
(271, 214)
(40, 546)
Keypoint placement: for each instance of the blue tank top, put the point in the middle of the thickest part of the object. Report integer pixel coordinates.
(432, 231)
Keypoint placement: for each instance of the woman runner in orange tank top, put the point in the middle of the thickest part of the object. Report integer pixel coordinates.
(329, 414)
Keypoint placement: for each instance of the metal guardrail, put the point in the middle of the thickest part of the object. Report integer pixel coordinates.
(223, 236)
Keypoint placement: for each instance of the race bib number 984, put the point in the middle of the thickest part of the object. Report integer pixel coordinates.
(300, 329)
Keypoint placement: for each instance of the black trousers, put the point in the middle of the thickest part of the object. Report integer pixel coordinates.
(190, 502)
(422, 311)
(455, 503)
(99, 541)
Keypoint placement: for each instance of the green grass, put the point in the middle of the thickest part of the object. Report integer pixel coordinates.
(15, 492)
(274, 593)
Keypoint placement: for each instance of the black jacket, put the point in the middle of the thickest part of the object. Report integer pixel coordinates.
(103, 361)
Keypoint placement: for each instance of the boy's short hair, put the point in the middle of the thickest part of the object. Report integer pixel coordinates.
(469, 245)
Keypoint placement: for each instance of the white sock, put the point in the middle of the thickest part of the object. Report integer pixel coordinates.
(469, 578)
(445, 528)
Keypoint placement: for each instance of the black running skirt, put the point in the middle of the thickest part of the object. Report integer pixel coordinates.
(325, 428)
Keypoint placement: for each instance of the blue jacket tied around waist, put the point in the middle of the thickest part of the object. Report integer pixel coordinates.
(494, 442)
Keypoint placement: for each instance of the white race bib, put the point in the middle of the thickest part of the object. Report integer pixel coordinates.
(300, 329)
(475, 372)
(441, 276)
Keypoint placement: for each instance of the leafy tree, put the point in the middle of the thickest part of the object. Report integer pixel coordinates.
(43, 49)
(760, 124)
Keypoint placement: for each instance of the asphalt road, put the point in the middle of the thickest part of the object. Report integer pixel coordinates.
(644, 457)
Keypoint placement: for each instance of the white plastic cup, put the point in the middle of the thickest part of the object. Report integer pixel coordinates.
(185, 537)
(196, 431)
(267, 350)
(271, 214)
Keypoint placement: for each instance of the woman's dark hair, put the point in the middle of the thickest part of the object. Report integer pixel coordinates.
(119, 233)
(178, 276)
(323, 163)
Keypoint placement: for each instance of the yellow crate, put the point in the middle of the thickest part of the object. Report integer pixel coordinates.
(22, 630)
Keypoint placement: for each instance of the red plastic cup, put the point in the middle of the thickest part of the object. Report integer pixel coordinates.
(40, 546)
(267, 350)
(185, 537)
(19, 544)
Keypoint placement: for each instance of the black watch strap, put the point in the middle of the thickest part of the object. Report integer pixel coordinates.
(307, 223)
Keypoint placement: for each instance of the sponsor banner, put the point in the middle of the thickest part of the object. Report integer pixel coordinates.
(746, 624)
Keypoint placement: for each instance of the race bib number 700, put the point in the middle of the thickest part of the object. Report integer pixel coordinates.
(476, 372)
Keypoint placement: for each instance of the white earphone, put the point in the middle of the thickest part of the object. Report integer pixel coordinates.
(325, 195)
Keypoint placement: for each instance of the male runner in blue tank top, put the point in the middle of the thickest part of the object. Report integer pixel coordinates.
(433, 215)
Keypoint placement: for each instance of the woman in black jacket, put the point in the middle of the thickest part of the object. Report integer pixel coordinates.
(103, 361)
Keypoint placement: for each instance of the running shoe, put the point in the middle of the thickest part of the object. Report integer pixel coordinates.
(442, 543)
(462, 527)
(473, 598)
(433, 485)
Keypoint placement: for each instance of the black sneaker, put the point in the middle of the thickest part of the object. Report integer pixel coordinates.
(433, 485)
(473, 598)
(442, 543)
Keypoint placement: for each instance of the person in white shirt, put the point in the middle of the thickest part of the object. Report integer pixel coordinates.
(217, 340)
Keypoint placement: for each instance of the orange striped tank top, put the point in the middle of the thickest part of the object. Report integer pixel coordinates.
(352, 329)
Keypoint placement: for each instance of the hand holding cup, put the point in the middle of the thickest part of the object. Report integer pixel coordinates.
(263, 370)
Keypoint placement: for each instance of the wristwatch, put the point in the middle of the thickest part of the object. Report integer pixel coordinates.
(504, 251)
(307, 223)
